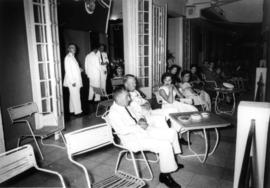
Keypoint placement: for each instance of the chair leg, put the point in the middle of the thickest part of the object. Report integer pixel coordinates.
(19, 141)
(34, 137)
(118, 159)
(148, 166)
(97, 110)
(63, 138)
(134, 164)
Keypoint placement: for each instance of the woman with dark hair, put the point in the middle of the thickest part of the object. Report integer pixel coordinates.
(199, 97)
(175, 71)
(195, 79)
(219, 76)
(119, 72)
(168, 92)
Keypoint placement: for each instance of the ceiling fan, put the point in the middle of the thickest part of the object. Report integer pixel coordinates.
(90, 5)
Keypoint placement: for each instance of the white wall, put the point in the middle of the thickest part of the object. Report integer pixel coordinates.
(175, 39)
(175, 7)
(81, 39)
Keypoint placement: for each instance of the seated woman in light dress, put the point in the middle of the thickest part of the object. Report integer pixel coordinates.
(168, 92)
(199, 97)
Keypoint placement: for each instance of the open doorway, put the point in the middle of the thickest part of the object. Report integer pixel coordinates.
(88, 31)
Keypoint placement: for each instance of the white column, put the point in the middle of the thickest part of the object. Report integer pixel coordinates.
(260, 112)
(130, 34)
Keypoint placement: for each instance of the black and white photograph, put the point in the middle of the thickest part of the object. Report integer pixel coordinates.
(135, 93)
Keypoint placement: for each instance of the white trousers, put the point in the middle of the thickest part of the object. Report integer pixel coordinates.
(103, 78)
(92, 94)
(74, 100)
(163, 141)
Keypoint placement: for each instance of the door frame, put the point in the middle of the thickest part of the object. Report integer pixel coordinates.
(52, 63)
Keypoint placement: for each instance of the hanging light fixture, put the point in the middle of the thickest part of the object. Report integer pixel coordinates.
(90, 5)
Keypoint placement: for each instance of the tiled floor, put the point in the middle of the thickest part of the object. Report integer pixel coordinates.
(217, 172)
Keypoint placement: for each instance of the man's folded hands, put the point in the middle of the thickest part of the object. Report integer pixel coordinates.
(142, 123)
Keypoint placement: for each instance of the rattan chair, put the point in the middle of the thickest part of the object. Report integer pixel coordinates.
(22, 114)
(19, 160)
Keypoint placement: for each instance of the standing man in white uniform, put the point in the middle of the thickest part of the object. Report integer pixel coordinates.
(104, 61)
(138, 134)
(73, 80)
(93, 70)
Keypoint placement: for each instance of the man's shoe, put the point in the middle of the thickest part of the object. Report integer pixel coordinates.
(183, 141)
(168, 181)
(180, 166)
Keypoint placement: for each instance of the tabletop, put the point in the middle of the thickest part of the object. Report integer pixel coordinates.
(188, 123)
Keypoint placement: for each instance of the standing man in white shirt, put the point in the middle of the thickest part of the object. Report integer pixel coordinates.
(92, 70)
(104, 61)
(73, 80)
(96, 69)
(138, 134)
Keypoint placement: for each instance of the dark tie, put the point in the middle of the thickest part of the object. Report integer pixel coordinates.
(130, 114)
(101, 58)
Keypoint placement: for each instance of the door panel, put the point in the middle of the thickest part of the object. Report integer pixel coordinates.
(44, 56)
(159, 43)
(144, 68)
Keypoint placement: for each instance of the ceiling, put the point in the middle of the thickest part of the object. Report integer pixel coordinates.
(241, 11)
(244, 11)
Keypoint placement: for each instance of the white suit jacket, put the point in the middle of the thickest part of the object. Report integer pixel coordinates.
(127, 129)
(72, 71)
(93, 68)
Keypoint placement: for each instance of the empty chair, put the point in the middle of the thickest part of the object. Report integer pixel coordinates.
(92, 138)
(19, 160)
(20, 115)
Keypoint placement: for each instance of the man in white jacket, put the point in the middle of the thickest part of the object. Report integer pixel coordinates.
(93, 70)
(104, 61)
(138, 134)
(73, 80)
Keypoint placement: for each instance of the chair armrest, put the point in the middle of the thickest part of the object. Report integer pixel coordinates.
(20, 121)
(44, 113)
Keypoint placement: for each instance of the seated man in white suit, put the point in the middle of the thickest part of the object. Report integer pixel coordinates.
(139, 135)
(142, 108)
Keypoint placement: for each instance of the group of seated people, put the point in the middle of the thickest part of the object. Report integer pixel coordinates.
(142, 128)
(187, 84)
